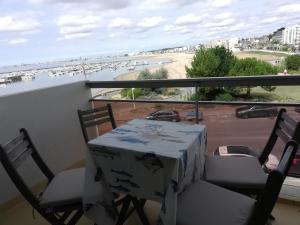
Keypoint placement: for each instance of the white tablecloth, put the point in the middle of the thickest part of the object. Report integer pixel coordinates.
(148, 159)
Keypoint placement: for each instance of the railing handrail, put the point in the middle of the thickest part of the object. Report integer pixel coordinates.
(233, 103)
(266, 80)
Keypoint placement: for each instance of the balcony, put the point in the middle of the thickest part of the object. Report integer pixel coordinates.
(50, 115)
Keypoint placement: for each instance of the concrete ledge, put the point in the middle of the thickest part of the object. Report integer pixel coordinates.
(291, 189)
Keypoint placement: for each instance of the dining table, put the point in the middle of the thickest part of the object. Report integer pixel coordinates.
(142, 160)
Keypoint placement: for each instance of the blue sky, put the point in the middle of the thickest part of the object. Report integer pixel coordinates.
(39, 30)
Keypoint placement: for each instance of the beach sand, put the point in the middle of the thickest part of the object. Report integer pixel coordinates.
(176, 69)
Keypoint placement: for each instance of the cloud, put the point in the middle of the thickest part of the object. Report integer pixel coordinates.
(270, 19)
(159, 4)
(103, 4)
(18, 41)
(179, 29)
(188, 19)
(224, 15)
(120, 22)
(151, 22)
(21, 25)
(220, 24)
(75, 36)
(127, 25)
(77, 26)
(222, 3)
(289, 8)
(77, 20)
(116, 34)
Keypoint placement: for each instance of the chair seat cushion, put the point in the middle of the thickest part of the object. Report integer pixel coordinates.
(235, 150)
(65, 188)
(207, 204)
(235, 172)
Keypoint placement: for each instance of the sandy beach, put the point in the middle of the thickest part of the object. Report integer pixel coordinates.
(176, 68)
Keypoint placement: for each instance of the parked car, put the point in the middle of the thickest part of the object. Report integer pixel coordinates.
(191, 116)
(164, 115)
(295, 167)
(297, 109)
(256, 111)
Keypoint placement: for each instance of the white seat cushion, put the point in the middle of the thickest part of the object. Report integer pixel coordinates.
(207, 204)
(65, 188)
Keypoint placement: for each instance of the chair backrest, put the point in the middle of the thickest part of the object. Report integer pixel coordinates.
(13, 154)
(285, 128)
(266, 202)
(95, 117)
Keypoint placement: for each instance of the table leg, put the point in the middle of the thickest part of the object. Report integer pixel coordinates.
(123, 214)
(139, 207)
(131, 210)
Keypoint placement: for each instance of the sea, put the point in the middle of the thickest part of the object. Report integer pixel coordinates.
(43, 80)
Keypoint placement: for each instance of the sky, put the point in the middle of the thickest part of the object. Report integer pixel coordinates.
(40, 30)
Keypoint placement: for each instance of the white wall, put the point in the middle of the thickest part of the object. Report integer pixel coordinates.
(50, 116)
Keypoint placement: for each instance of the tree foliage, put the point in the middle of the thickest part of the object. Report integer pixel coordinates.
(159, 74)
(211, 62)
(220, 62)
(292, 62)
(253, 66)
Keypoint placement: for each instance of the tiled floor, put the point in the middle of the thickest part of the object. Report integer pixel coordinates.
(22, 215)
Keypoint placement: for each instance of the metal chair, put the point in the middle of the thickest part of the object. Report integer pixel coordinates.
(284, 128)
(247, 174)
(61, 201)
(205, 203)
(97, 116)
(94, 117)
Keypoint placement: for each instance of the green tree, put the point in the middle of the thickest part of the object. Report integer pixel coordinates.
(251, 67)
(292, 62)
(211, 62)
(159, 74)
(145, 75)
(127, 93)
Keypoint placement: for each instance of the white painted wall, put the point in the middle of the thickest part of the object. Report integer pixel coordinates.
(50, 116)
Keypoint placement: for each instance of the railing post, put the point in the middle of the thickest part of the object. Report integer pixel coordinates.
(197, 103)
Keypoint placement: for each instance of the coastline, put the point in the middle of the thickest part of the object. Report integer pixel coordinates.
(176, 69)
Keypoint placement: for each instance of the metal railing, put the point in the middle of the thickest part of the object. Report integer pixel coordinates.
(238, 81)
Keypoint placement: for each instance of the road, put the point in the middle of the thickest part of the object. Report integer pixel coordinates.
(222, 125)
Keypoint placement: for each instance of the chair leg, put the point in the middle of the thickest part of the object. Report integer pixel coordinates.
(271, 217)
(140, 211)
(76, 217)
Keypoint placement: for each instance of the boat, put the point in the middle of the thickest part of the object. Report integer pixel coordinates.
(131, 68)
(27, 77)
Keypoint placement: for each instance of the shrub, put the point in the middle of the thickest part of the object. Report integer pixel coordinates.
(127, 93)
(227, 97)
(292, 62)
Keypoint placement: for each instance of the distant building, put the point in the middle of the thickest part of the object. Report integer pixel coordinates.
(233, 44)
(278, 35)
(291, 35)
(215, 43)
